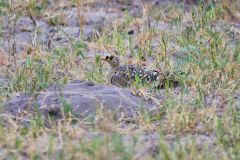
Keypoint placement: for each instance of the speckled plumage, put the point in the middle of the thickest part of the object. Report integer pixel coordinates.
(128, 73)
(123, 75)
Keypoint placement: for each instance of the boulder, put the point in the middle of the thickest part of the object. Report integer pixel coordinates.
(83, 99)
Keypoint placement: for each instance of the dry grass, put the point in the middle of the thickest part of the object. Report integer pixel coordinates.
(201, 42)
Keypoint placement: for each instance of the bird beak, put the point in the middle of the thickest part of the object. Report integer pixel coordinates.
(103, 59)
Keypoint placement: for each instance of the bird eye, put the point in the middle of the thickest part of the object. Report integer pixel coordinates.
(111, 57)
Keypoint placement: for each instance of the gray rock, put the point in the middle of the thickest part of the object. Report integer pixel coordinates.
(24, 24)
(84, 99)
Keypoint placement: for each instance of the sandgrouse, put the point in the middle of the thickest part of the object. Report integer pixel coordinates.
(123, 75)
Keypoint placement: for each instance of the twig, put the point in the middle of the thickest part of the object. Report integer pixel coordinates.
(11, 38)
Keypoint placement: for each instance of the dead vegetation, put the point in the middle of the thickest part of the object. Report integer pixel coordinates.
(199, 120)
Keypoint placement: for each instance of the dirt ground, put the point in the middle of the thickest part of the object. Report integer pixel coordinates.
(54, 92)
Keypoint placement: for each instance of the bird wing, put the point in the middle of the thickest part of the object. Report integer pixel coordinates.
(124, 74)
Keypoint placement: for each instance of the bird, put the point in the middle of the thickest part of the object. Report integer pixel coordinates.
(124, 75)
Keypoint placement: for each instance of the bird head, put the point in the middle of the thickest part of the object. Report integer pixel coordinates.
(112, 60)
